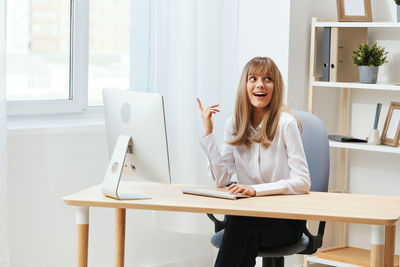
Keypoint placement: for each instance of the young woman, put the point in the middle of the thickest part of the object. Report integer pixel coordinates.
(263, 147)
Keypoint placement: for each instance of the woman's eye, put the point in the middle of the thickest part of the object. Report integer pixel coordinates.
(268, 79)
(252, 79)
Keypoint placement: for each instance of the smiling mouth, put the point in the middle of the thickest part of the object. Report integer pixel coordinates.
(259, 95)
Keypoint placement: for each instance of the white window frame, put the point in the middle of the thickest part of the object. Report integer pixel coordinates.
(78, 67)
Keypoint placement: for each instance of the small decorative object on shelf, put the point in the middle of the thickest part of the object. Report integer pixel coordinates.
(398, 10)
(368, 59)
(391, 130)
(354, 10)
(374, 136)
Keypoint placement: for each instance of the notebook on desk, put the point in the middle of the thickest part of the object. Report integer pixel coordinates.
(212, 193)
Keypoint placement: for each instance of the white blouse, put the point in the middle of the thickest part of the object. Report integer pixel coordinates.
(279, 169)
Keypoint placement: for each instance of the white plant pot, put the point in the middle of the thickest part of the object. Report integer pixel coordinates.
(368, 74)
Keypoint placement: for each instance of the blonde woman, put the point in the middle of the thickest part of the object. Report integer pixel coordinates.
(263, 147)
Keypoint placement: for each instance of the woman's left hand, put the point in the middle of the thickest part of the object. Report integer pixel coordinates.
(242, 189)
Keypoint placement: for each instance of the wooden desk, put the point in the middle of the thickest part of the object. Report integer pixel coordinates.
(381, 211)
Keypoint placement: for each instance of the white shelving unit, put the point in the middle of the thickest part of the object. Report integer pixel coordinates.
(354, 85)
(365, 146)
(343, 255)
(321, 24)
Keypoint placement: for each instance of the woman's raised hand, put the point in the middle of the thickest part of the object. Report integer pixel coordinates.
(206, 116)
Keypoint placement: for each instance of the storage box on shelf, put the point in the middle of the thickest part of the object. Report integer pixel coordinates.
(344, 255)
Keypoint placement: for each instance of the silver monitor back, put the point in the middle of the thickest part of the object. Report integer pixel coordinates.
(141, 116)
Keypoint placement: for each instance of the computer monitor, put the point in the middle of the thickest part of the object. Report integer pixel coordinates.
(137, 139)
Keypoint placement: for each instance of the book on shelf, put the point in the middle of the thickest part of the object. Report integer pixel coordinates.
(345, 138)
(337, 50)
(326, 54)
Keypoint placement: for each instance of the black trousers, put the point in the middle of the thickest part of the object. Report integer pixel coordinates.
(244, 236)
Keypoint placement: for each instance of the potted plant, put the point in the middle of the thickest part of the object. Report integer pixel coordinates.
(368, 59)
(398, 10)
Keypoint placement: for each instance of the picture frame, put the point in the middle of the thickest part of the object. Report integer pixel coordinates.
(354, 10)
(391, 130)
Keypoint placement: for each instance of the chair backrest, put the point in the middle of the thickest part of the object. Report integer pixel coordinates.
(316, 148)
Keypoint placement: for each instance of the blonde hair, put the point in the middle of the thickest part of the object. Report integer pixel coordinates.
(258, 66)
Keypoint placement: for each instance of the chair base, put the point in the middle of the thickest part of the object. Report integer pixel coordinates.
(273, 262)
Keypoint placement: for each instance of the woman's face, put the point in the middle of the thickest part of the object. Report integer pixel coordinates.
(260, 90)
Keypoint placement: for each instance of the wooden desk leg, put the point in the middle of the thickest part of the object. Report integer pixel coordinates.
(390, 238)
(82, 224)
(120, 222)
(377, 245)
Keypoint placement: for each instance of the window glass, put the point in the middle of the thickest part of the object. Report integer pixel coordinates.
(108, 47)
(38, 37)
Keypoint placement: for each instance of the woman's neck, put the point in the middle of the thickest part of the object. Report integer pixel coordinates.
(257, 117)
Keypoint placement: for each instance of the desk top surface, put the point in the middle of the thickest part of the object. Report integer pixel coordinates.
(355, 208)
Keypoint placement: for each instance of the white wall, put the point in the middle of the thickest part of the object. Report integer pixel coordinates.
(45, 167)
(264, 31)
(4, 257)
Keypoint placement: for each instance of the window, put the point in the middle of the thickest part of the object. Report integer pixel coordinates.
(38, 50)
(62, 53)
(46, 70)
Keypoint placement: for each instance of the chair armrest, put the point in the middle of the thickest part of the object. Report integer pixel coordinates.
(315, 241)
(218, 225)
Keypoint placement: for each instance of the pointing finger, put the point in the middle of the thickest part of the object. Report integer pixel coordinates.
(200, 105)
(213, 106)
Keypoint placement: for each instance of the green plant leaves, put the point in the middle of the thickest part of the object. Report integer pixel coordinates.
(367, 55)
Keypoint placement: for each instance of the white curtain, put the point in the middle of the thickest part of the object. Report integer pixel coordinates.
(4, 253)
(195, 56)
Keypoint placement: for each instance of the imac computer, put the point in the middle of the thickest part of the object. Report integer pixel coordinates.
(137, 140)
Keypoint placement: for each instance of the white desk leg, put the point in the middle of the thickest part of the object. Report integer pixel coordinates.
(120, 222)
(390, 238)
(305, 261)
(82, 223)
(377, 245)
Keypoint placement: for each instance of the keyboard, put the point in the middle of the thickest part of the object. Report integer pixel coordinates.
(212, 193)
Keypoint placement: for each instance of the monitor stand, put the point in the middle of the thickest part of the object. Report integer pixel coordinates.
(114, 170)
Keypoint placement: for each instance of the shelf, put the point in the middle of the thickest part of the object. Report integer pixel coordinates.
(346, 256)
(358, 24)
(365, 146)
(315, 259)
(355, 85)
